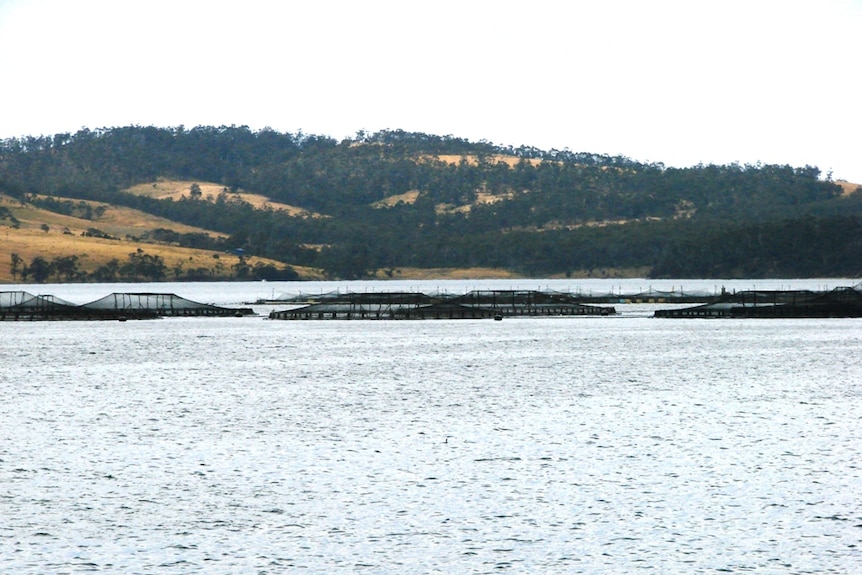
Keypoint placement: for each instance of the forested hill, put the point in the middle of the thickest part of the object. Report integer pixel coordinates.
(393, 200)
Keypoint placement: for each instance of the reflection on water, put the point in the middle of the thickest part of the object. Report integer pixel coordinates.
(576, 445)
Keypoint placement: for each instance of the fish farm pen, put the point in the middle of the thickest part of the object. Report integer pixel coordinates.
(839, 302)
(495, 304)
(22, 306)
(583, 297)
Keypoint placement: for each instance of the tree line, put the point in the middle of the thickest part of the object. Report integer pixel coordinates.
(549, 213)
(138, 267)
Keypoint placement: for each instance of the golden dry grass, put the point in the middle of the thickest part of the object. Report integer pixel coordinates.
(494, 159)
(115, 221)
(178, 189)
(95, 252)
(482, 197)
(447, 274)
(501, 274)
(847, 188)
(406, 198)
(64, 238)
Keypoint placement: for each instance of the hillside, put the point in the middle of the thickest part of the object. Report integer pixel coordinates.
(396, 204)
(177, 190)
(32, 232)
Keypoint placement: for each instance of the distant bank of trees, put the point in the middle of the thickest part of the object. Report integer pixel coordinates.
(549, 213)
(138, 267)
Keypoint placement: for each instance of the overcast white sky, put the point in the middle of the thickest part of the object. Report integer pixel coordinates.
(678, 82)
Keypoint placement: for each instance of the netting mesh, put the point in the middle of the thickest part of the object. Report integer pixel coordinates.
(840, 302)
(409, 305)
(22, 299)
(19, 305)
(14, 298)
(147, 301)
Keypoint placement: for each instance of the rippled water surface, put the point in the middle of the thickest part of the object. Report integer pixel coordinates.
(557, 445)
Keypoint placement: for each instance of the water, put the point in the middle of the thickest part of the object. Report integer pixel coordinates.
(531, 445)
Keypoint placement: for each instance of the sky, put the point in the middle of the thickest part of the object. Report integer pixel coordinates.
(670, 81)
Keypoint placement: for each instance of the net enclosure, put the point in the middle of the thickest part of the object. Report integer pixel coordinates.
(839, 302)
(472, 305)
(162, 304)
(22, 306)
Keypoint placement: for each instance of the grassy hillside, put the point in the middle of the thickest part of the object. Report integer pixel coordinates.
(848, 188)
(43, 233)
(179, 189)
(49, 235)
(400, 204)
